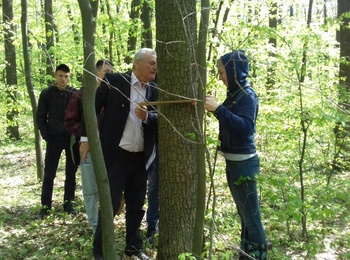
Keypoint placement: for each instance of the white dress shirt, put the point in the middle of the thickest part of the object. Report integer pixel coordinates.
(132, 139)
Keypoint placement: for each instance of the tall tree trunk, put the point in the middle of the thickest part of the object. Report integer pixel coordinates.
(304, 121)
(11, 70)
(177, 76)
(146, 18)
(200, 138)
(50, 37)
(30, 89)
(109, 51)
(215, 31)
(342, 129)
(134, 15)
(87, 9)
(271, 72)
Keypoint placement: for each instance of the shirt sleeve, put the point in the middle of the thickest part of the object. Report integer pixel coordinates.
(41, 115)
(73, 116)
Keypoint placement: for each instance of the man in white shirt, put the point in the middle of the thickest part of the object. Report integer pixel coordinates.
(127, 137)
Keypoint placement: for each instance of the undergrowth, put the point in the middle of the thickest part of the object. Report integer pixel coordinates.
(61, 236)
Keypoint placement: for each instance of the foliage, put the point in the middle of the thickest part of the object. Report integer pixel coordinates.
(279, 133)
(61, 236)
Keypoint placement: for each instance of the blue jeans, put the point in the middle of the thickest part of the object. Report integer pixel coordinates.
(90, 192)
(242, 183)
(152, 215)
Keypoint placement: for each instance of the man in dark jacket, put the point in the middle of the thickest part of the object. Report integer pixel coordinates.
(72, 122)
(52, 105)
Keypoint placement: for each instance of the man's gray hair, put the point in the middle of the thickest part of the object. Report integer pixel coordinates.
(141, 53)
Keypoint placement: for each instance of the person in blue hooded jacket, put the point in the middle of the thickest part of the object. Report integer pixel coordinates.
(237, 123)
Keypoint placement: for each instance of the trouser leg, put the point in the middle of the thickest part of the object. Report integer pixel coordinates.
(128, 174)
(136, 181)
(53, 153)
(70, 181)
(242, 183)
(153, 198)
(90, 192)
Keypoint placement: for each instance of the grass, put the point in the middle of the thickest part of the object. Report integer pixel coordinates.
(61, 236)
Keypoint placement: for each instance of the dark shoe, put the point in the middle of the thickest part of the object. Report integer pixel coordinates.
(258, 252)
(268, 245)
(151, 232)
(68, 207)
(98, 257)
(43, 213)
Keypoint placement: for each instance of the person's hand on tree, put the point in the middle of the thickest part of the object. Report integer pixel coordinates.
(211, 104)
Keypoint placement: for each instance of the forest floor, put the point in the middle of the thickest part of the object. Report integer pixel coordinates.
(61, 236)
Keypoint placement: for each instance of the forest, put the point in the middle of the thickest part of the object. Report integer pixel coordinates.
(299, 53)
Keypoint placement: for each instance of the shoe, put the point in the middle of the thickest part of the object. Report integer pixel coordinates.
(269, 245)
(151, 232)
(98, 257)
(45, 211)
(140, 256)
(68, 207)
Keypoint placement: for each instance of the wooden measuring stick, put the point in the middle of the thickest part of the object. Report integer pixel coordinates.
(167, 102)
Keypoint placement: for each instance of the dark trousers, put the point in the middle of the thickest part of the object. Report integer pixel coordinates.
(126, 173)
(52, 157)
(152, 215)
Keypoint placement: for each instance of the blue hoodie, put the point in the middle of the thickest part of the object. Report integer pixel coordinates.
(237, 115)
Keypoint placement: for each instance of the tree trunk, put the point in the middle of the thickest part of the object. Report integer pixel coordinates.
(10, 70)
(215, 32)
(200, 137)
(87, 13)
(271, 71)
(50, 37)
(343, 37)
(342, 129)
(304, 122)
(30, 89)
(146, 18)
(176, 36)
(134, 15)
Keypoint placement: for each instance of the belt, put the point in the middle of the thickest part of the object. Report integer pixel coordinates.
(127, 153)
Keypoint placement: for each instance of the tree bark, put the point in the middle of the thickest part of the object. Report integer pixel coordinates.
(200, 137)
(176, 38)
(342, 129)
(273, 21)
(30, 89)
(146, 18)
(343, 37)
(10, 70)
(134, 15)
(89, 26)
(50, 37)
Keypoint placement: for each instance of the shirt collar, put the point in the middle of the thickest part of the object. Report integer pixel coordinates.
(134, 80)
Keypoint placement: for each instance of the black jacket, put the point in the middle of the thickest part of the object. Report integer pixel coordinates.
(51, 110)
(112, 98)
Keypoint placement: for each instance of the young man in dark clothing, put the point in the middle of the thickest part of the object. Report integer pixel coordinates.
(72, 121)
(52, 105)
